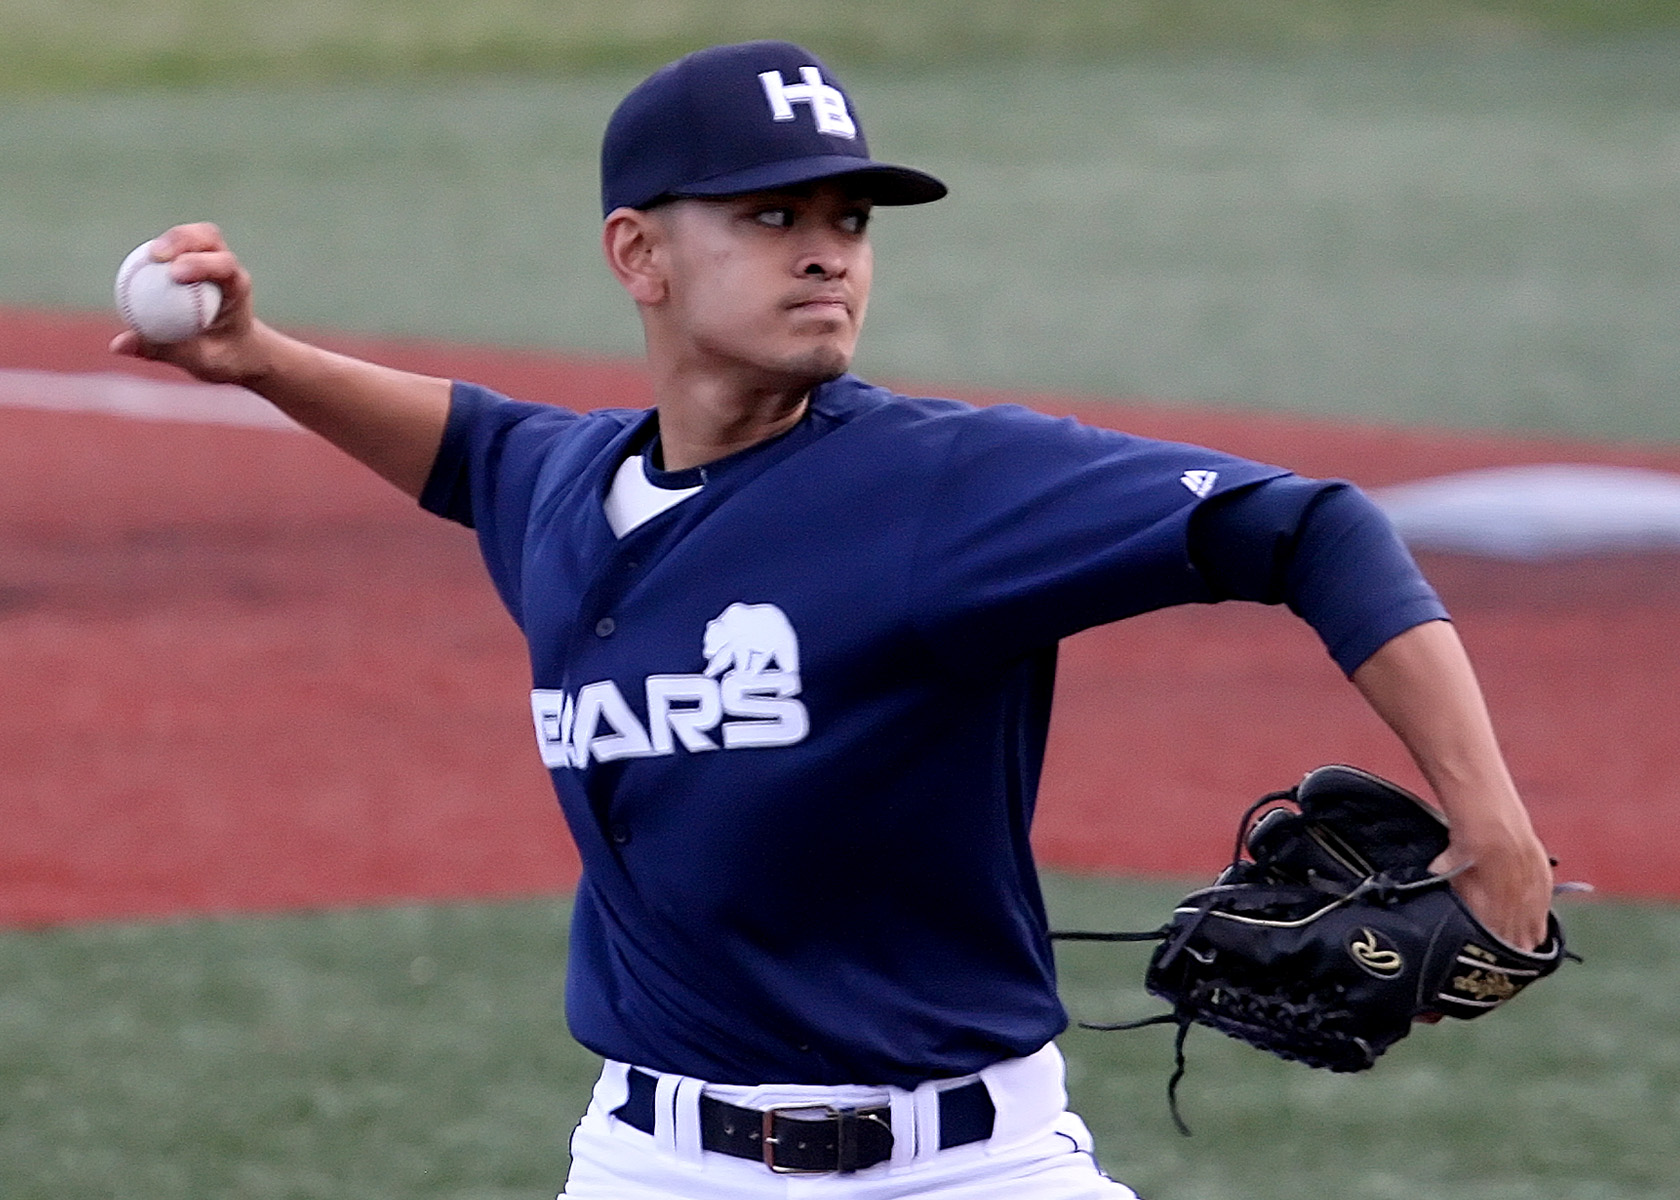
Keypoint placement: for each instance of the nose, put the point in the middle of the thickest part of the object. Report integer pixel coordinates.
(825, 254)
(827, 263)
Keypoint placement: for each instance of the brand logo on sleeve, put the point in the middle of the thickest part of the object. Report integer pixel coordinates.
(1200, 483)
(746, 697)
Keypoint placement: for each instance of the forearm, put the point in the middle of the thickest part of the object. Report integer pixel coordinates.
(393, 421)
(390, 420)
(1422, 684)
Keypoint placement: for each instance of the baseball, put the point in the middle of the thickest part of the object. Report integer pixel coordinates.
(155, 306)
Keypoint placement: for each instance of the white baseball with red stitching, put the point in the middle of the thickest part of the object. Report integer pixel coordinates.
(155, 306)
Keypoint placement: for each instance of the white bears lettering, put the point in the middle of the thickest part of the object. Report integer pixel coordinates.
(828, 104)
(746, 697)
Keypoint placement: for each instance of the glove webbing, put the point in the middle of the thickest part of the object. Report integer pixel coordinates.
(1180, 1064)
(1183, 1023)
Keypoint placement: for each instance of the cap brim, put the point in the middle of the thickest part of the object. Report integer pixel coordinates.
(880, 182)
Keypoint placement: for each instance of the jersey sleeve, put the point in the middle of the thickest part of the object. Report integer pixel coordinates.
(488, 469)
(1039, 528)
(1322, 548)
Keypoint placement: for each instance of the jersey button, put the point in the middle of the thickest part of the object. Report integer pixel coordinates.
(619, 832)
(605, 626)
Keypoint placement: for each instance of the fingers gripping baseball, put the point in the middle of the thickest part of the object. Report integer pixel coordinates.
(223, 346)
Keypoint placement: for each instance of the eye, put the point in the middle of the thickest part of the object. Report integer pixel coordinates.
(775, 218)
(855, 222)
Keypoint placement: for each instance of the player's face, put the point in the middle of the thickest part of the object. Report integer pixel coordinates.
(772, 282)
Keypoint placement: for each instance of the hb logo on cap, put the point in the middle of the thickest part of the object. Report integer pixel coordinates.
(697, 128)
(828, 104)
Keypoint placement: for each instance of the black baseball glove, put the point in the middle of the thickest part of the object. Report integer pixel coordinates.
(1328, 935)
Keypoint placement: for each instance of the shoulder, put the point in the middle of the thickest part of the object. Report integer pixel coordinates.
(851, 400)
(495, 449)
(928, 421)
(497, 432)
(1013, 438)
(472, 404)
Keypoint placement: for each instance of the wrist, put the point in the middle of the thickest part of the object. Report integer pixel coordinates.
(260, 364)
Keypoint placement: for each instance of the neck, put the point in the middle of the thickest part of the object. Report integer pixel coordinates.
(703, 421)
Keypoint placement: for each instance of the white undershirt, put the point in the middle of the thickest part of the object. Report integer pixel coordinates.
(632, 500)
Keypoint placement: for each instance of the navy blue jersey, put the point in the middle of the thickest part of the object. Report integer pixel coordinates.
(796, 721)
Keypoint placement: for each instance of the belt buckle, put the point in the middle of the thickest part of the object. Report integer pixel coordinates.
(768, 1141)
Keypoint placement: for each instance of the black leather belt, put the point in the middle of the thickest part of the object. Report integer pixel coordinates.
(813, 1138)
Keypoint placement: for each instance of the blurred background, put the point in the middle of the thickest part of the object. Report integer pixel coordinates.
(1434, 220)
(1455, 211)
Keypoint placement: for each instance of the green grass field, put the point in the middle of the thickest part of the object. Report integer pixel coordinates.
(53, 44)
(1465, 235)
(420, 1052)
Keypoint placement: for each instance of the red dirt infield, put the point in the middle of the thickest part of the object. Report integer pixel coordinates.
(242, 674)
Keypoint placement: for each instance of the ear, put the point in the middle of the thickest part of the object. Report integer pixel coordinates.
(633, 241)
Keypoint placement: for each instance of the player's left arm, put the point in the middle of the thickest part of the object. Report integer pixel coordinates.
(1324, 549)
(1422, 684)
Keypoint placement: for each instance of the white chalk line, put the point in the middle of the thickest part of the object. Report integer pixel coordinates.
(1543, 511)
(121, 395)
(1550, 510)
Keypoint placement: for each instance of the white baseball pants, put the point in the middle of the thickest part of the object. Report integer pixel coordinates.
(1038, 1150)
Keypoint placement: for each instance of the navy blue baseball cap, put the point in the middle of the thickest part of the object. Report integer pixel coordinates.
(743, 118)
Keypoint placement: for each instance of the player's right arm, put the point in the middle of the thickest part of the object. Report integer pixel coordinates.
(393, 421)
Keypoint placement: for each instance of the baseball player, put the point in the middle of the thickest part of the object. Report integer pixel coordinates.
(792, 641)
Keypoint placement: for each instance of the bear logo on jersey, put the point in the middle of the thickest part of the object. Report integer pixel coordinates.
(747, 696)
(748, 638)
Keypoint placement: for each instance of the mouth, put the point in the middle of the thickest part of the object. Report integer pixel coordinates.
(824, 305)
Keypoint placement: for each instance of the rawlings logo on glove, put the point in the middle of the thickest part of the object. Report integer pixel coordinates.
(1328, 935)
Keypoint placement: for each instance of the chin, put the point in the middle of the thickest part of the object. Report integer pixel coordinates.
(821, 365)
